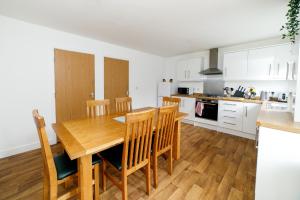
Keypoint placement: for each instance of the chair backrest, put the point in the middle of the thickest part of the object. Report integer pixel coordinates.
(171, 101)
(97, 107)
(123, 104)
(164, 129)
(49, 165)
(138, 139)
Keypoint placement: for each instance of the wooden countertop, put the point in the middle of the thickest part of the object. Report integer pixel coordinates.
(200, 96)
(283, 121)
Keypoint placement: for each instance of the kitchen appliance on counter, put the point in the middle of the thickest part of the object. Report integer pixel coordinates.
(185, 90)
(206, 109)
(240, 92)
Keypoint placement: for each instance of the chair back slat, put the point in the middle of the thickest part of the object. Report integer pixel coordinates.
(48, 162)
(96, 108)
(123, 104)
(165, 128)
(137, 142)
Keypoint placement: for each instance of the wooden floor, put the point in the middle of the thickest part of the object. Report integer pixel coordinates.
(212, 166)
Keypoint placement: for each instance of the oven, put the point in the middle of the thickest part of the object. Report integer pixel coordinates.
(206, 109)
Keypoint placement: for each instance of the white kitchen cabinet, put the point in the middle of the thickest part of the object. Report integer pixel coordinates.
(250, 113)
(187, 105)
(230, 115)
(235, 65)
(278, 165)
(188, 70)
(182, 70)
(238, 116)
(261, 63)
(285, 60)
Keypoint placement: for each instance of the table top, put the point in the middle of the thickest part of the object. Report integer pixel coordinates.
(91, 135)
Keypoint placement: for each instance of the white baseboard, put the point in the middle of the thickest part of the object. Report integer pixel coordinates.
(225, 130)
(208, 126)
(22, 148)
(188, 121)
(236, 133)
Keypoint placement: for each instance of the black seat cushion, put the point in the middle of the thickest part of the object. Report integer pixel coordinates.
(114, 156)
(64, 166)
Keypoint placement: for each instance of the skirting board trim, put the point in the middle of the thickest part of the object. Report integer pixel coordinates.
(226, 130)
(23, 148)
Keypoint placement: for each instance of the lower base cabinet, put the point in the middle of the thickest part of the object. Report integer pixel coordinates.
(278, 165)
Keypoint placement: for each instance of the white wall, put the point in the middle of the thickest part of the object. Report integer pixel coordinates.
(27, 78)
(277, 86)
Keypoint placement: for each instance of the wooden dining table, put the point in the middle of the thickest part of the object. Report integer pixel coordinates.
(81, 138)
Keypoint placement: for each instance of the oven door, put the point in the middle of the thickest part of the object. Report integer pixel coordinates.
(207, 109)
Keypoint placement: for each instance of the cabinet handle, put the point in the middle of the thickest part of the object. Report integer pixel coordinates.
(189, 74)
(294, 70)
(246, 111)
(270, 69)
(229, 117)
(257, 136)
(230, 104)
(230, 110)
(229, 123)
(287, 70)
(278, 66)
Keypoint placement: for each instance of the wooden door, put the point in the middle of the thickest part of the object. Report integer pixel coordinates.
(116, 79)
(74, 83)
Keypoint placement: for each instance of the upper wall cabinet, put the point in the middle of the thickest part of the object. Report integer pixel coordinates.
(269, 63)
(260, 63)
(235, 65)
(188, 70)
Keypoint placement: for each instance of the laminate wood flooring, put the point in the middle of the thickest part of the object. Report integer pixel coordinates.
(212, 166)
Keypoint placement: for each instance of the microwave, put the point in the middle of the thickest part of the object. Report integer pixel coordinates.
(185, 90)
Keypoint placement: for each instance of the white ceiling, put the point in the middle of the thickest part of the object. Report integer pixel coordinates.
(162, 27)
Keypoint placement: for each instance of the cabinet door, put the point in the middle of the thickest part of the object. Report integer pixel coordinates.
(189, 108)
(235, 65)
(285, 62)
(182, 70)
(250, 116)
(260, 63)
(195, 65)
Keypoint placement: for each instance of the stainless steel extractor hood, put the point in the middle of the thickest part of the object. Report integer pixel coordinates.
(213, 63)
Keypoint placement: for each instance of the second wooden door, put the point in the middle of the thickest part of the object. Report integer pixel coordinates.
(74, 83)
(116, 79)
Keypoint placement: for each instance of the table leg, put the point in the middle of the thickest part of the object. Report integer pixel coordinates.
(176, 140)
(85, 177)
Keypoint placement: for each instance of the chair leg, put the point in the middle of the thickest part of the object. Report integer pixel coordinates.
(124, 187)
(148, 178)
(53, 191)
(170, 162)
(155, 177)
(96, 177)
(103, 176)
(46, 188)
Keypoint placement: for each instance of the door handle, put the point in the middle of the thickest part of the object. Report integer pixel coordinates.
(246, 111)
(92, 95)
(270, 69)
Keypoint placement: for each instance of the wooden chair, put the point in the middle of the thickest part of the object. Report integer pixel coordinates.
(163, 139)
(60, 169)
(171, 101)
(97, 107)
(123, 104)
(134, 154)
